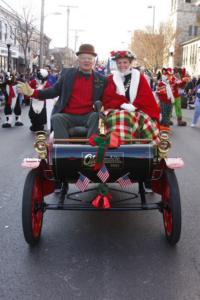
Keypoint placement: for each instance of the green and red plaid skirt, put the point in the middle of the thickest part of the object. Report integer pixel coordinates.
(132, 125)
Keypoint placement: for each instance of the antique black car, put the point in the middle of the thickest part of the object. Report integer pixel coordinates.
(62, 160)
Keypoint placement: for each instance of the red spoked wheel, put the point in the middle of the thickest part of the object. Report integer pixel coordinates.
(172, 207)
(32, 207)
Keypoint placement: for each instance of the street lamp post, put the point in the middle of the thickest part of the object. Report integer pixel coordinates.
(8, 44)
(154, 13)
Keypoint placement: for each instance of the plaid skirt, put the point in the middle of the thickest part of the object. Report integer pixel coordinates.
(132, 125)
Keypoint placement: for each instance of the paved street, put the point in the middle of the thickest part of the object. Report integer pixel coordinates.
(98, 256)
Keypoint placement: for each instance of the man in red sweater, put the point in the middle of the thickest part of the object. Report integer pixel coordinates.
(78, 90)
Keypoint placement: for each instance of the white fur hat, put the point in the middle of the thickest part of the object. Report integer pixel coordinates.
(44, 73)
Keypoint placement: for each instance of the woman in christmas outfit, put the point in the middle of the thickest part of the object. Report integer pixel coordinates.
(130, 106)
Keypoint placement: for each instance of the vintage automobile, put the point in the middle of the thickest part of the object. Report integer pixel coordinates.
(62, 160)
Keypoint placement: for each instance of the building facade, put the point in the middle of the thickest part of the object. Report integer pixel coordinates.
(10, 46)
(185, 19)
(6, 40)
(191, 56)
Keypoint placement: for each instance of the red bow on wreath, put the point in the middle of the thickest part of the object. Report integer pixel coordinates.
(104, 142)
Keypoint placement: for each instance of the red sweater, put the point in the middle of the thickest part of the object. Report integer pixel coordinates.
(80, 102)
(162, 93)
(176, 85)
(144, 100)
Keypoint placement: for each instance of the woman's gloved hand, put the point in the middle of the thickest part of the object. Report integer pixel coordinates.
(128, 106)
(25, 89)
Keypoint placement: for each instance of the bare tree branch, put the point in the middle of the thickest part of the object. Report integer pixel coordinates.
(152, 49)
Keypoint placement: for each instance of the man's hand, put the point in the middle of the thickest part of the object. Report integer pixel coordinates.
(25, 89)
(128, 106)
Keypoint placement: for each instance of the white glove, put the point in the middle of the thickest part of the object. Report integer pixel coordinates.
(25, 89)
(128, 106)
(172, 100)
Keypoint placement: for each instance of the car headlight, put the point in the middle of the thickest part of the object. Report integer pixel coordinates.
(164, 145)
(40, 145)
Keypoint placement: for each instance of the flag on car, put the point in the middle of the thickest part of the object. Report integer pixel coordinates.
(82, 182)
(103, 174)
(124, 181)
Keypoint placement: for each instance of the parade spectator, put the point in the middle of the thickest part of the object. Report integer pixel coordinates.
(196, 109)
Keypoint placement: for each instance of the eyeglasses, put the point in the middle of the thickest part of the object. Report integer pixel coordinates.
(85, 58)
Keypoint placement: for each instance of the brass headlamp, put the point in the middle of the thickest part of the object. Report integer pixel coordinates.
(40, 144)
(164, 144)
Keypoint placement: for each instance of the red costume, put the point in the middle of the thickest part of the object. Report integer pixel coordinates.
(144, 99)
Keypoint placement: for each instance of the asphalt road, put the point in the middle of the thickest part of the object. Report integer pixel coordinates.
(99, 255)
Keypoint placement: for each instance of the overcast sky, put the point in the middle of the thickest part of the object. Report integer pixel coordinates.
(105, 23)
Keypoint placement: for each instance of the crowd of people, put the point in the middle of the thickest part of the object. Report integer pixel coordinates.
(136, 103)
(12, 100)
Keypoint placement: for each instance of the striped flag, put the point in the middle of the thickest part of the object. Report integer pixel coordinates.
(82, 182)
(103, 174)
(124, 181)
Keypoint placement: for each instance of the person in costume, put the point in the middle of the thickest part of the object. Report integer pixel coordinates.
(130, 106)
(78, 89)
(165, 96)
(12, 102)
(37, 112)
(177, 82)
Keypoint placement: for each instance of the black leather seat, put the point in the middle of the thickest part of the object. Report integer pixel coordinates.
(78, 131)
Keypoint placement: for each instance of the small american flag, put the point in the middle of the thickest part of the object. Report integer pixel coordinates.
(124, 181)
(103, 174)
(82, 182)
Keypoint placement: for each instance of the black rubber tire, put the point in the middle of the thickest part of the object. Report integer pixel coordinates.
(174, 207)
(27, 226)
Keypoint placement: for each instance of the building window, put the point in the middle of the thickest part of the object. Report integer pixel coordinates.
(193, 30)
(190, 30)
(187, 1)
(11, 34)
(195, 54)
(6, 31)
(0, 30)
(15, 34)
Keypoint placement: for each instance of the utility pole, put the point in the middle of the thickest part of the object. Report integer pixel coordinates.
(68, 7)
(41, 35)
(76, 36)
